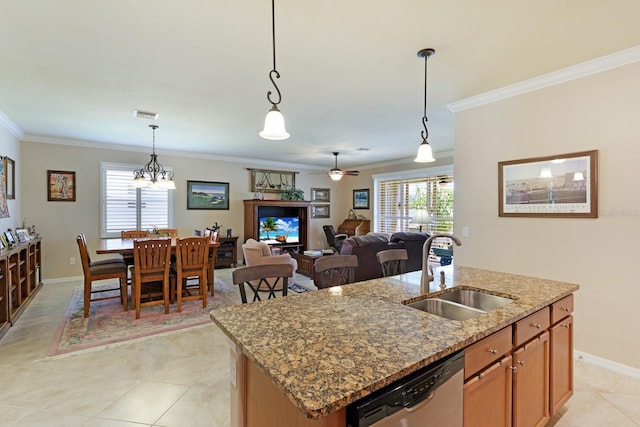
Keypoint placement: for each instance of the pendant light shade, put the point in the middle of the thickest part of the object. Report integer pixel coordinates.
(274, 125)
(425, 155)
(274, 122)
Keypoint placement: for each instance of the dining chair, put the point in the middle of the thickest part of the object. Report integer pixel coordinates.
(262, 278)
(334, 270)
(132, 234)
(192, 258)
(211, 260)
(392, 261)
(113, 268)
(151, 270)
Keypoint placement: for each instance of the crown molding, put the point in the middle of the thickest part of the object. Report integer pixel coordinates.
(608, 62)
(9, 126)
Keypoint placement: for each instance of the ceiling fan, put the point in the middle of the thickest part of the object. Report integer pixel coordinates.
(336, 173)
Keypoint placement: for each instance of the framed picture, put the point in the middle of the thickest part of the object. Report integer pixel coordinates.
(3, 241)
(321, 195)
(207, 195)
(10, 178)
(268, 181)
(22, 234)
(361, 199)
(320, 211)
(559, 186)
(9, 237)
(61, 186)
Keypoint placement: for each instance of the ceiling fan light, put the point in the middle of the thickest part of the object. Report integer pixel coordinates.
(425, 155)
(274, 125)
(335, 175)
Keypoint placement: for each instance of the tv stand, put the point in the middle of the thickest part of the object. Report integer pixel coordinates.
(256, 209)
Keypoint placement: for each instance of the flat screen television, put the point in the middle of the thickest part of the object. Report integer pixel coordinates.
(279, 229)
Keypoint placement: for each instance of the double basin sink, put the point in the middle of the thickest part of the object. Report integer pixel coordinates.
(461, 304)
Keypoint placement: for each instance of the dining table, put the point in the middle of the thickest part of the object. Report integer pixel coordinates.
(125, 248)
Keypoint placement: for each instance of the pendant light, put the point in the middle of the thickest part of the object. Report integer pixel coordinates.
(153, 174)
(425, 154)
(274, 122)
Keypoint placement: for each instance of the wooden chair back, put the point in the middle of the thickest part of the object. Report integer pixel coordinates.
(335, 270)
(134, 234)
(170, 232)
(263, 278)
(151, 264)
(392, 261)
(101, 270)
(192, 259)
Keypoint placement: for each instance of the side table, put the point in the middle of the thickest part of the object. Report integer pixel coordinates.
(305, 263)
(227, 252)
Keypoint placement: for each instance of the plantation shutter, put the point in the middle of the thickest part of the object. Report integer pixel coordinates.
(127, 208)
(399, 199)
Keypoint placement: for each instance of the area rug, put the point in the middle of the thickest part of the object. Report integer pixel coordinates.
(108, 324)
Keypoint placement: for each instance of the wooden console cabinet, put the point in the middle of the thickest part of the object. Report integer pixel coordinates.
(227, 254)
(256, 209)
(20, 280)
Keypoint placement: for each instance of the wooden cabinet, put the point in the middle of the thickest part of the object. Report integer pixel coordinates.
(19, 280)
(561, 353)
(227, 255)
(256, 209)
(355, 227)
(487, 396)
(531, 383)
(538, 380)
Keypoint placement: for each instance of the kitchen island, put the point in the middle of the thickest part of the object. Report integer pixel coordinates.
(320, 351)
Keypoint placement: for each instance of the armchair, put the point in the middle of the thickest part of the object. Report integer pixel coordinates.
(259, 253)
(334, 239)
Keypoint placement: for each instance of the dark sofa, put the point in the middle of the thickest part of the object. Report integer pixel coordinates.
(366, 247)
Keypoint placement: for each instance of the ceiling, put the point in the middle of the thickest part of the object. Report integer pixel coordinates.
(350, 77)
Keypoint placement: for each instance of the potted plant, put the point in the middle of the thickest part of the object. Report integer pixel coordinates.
(292, 193)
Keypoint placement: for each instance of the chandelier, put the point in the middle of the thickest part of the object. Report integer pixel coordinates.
(425, 154)
(153, 174)
(274, 122)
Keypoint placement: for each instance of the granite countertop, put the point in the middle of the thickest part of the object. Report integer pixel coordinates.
(327, 348)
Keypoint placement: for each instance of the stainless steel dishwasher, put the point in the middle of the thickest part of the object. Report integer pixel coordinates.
(429, 397)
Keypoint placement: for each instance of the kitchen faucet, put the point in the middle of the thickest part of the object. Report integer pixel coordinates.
(426, 248)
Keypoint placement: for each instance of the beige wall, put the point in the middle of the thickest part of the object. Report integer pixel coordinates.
(595, 112)
(60, 222)
(9, 146)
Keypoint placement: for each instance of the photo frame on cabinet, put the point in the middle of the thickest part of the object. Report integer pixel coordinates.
(10, 178)
(207, 195)
(9, 238)
(558, 186)
(61, 186)
(361, 199)
(22, 235)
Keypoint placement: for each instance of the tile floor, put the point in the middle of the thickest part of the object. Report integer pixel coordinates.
(182, 379)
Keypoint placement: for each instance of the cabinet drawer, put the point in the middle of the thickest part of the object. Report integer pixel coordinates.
(530, 326)
(561, 309)
(486, 351)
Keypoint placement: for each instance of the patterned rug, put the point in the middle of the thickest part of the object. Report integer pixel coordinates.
(108, 324)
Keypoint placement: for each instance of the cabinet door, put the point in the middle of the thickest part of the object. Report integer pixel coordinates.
(561, 357)
(487, 396)
(531, 383)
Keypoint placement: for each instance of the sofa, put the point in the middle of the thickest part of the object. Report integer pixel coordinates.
(366, 247)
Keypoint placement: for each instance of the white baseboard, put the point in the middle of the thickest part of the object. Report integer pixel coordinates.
(628, 371)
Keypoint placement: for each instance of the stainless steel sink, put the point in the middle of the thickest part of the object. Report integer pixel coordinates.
(475, 299)
(447, 309)
(461, 304)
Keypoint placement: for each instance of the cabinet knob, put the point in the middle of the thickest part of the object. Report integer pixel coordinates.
(493, 351)
(521, 362)
(565, 308)
(536, 325)
(514, 369)
(566, 325)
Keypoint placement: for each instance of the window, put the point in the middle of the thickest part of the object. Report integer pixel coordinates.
(124, 207)
(401, 197)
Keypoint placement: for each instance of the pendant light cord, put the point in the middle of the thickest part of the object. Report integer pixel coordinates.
(274, 73)
(425, 132)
